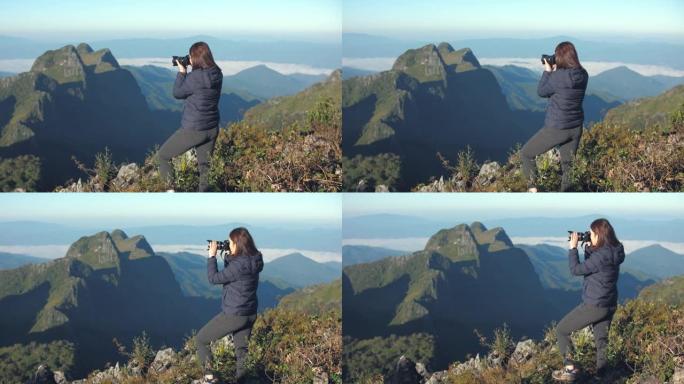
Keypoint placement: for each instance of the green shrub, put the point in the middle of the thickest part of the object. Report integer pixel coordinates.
(19, 172)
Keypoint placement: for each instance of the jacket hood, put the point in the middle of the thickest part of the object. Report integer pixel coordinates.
(578, 76)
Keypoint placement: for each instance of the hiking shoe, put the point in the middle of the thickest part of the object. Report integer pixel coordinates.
(565, 375)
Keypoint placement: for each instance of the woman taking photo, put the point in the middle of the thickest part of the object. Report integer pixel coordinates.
(601, 268)
(201, 90)
(240, 279)
(564, 83)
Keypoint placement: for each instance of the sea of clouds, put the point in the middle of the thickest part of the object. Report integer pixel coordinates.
(227, 67)
(377, 64)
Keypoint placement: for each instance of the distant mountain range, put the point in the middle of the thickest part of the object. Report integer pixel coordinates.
(356, 45)
(316, 54)
(13, 260)
(390, 226)
(285, 236)
(359, 254)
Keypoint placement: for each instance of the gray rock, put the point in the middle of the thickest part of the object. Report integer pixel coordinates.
(524, 351)
(43, 375)
(381, 188)
(320, 376)
(488, 172)
(422, 370)
(678, 377)
(405, 372)
(60, 378)
(127, 175)
(163, 360)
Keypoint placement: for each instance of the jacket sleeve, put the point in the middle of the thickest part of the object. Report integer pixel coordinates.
(589, 266)
(545, 87)
(227, 275)
(183, 87)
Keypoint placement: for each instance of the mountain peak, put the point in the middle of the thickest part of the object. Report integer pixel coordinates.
(457, 243)
(445, 47)
(84, 48)
(119, 234)
(295, 257)
(424, 64)
(462, 60)
(98, 251)
(63, 64)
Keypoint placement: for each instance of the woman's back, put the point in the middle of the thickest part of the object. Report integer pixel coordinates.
(565, 89)
(201, 90)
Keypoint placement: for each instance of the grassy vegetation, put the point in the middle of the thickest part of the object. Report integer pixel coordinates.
(19, 172)
(611, 158)
(19, 361)
(367, 361)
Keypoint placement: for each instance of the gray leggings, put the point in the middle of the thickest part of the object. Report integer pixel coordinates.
(183, 140)
(221, 325)
(542, 141)
(583, 315)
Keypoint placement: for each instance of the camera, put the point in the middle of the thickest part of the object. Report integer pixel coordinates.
(584, 237)
(223, 245)
(551, 59)
(184, 60)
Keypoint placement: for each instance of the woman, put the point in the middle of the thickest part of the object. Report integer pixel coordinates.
(240, 278)
(601, 267)
(201, 90)
(564, 84)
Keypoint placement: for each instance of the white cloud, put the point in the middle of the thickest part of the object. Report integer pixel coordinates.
(630, 245)
(45, 251)
(228, 67)
(409, 244)
(371, 64)
(269, 254)
(593, 67)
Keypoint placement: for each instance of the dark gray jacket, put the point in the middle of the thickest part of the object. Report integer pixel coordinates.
(201, 90)
(240, 279)
(565, 89)
(600, 269)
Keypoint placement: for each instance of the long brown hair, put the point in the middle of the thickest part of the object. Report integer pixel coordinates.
(201, 56)
(566, 56)
(605, 233)
(244, 243)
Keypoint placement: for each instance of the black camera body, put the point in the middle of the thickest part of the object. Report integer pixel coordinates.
(184, 60)
(223, 245)
(551, 59)
(584, 237)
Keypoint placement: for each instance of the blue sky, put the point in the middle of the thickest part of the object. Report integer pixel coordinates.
(138, 209)
(483, 206)
(49, 19)
(522, 18)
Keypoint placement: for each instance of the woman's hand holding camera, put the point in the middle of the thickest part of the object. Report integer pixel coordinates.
(574, 239)
(181, 68)
(213, 247)
(548, 67)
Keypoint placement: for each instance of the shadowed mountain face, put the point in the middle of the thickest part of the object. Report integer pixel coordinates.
(466, 278)
(434, 99)
(108, 285)
(74, 102)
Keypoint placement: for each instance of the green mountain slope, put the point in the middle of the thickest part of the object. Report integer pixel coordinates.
(316, 299)
(73, 102)
(108, 285)
(279, 112)
(646, 112)
(434, 99)
(626, 84)
(265, 83)
(669, 291)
